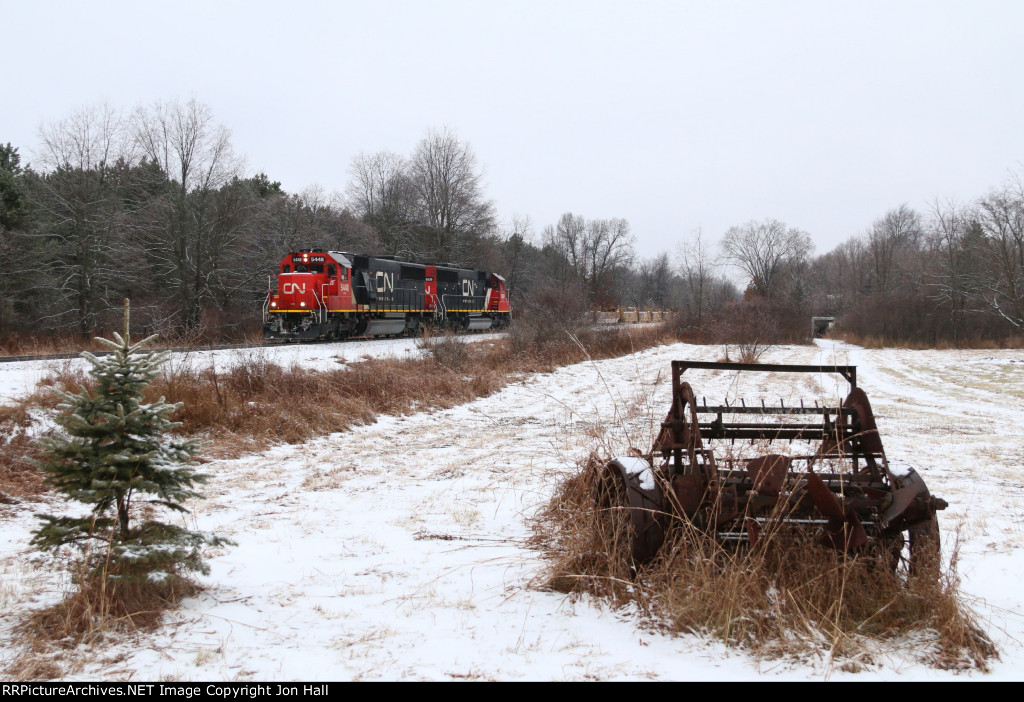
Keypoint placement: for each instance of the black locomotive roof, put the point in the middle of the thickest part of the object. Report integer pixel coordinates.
(358, 260)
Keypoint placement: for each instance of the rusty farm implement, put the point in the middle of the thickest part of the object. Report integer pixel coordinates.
(819, 470)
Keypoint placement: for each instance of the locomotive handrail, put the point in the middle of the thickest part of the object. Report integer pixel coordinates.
(439, 308)
(321, 307)
(266, 305)
(271, 291)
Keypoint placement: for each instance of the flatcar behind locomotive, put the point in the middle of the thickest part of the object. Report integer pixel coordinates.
(333, 295)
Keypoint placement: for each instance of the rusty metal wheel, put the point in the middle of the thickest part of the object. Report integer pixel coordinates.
(679, 439)
(691, 429)
(911, 554)
(634, 505)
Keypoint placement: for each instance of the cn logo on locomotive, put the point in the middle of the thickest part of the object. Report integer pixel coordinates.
(293, 288)
(385, 281)
(468, 288)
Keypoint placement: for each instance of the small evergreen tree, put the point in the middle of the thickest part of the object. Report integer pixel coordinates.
(115, 453)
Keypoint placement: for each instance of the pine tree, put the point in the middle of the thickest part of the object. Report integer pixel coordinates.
(116, 453)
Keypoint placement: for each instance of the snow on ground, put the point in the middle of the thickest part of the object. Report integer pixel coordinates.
(399, 551)
(19, 378)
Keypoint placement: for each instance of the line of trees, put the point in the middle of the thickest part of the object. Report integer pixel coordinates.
(954, 274)
(155, 205)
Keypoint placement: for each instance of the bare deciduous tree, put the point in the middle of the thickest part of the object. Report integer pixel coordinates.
(183, 139)
(764, 250)
(81, 207)
(563, 244)
(447, 179)
(516, 239)
(381, 192)
(956, 244)
(698, 269)
(892, 241)
(609, 247)
(591, 251)
(1001, 218)
(197, 225)
(655, 282)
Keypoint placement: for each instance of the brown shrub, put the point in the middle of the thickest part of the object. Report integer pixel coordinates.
(543, 341)
(18, 477)
(447, 349)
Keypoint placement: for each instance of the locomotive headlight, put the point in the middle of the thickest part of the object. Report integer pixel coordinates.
(273, 304)
(302, 304)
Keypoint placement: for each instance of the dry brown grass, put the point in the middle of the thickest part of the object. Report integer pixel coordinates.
(100, 606)
(96, 608)
(18, 344)
(788, 597)
(883, 342)
(267, 403)
(18, 477)
(447, 349)
(43, 345)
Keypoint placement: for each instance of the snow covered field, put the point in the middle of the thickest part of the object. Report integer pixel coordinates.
(398, 551)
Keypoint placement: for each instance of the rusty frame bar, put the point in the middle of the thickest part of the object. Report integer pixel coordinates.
(680, 367)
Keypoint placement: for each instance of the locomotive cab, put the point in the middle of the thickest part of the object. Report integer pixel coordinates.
(497, 300)
(310, 283)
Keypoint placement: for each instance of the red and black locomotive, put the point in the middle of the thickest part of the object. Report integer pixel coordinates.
(333, 295)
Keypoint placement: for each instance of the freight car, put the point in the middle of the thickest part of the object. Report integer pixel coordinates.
(318, 294)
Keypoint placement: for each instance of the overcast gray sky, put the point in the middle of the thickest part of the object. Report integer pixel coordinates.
(673, 115)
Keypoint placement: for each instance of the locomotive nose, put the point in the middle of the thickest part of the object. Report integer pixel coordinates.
(296, 291)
